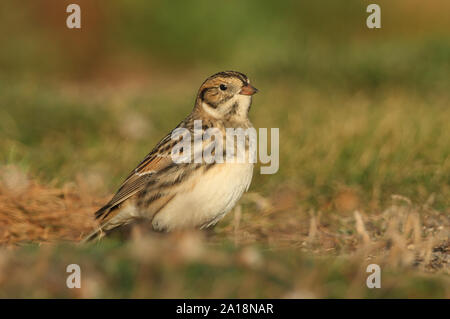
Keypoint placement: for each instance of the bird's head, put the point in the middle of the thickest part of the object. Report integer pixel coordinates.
(226, 95)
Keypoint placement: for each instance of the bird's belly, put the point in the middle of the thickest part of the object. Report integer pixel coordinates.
(206, 197)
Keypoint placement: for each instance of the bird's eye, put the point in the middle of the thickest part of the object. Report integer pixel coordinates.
(223, 87)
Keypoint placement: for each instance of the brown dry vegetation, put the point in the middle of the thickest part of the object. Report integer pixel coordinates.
(404, 239)
(417, 235)
(31, 212)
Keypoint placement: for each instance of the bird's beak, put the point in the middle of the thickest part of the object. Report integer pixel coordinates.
(248, 90)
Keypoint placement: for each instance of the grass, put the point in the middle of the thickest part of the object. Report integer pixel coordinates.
(364, 148)
(185, 265)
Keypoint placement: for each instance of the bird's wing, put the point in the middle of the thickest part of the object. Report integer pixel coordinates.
(141, 176)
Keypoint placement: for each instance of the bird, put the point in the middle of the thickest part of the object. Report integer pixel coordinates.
(175, 195)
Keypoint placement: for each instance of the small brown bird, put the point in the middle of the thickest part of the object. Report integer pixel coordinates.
(175, 195)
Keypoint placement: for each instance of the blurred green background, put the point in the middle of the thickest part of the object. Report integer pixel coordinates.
(363, 115)
(360, 109)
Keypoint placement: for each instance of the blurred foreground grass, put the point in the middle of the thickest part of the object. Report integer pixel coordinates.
(182, 266)
(363, 117)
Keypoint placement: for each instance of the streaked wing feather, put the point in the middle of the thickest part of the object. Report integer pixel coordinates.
(133, 185)
(143, 174)
(139, 177)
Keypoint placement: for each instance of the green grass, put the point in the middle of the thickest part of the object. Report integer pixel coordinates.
(363, 115)
(384, 143)
(168, 271)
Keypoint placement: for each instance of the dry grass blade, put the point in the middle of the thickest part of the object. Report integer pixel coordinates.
(42, 214)
(361, 229)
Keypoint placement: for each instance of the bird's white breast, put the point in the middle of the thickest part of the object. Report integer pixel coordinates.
(206, 197)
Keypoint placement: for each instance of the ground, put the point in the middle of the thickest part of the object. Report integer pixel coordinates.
(364, 175)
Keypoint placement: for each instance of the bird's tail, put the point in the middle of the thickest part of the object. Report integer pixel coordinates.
(97, 234)
(101, 229)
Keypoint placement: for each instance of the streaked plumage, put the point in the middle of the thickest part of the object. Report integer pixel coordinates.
(188, 195)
